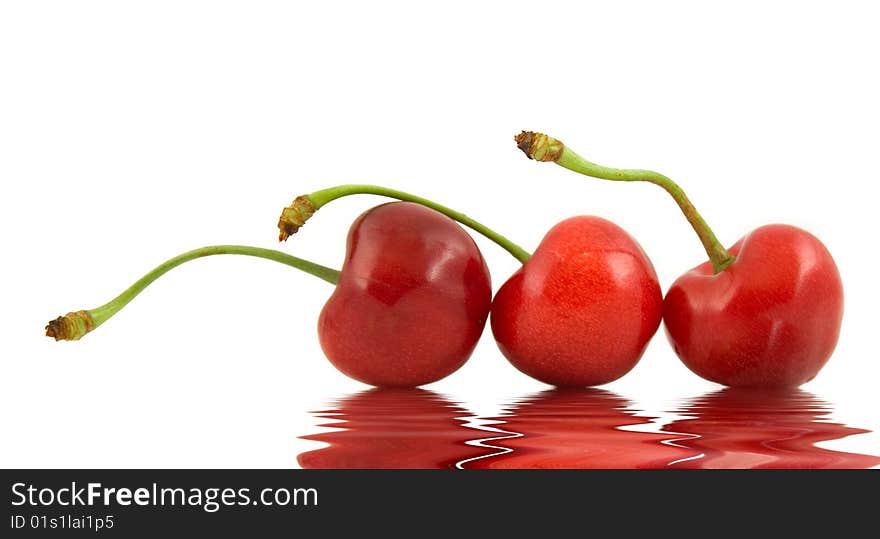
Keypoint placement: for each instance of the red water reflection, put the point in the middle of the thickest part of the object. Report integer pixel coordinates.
(754, 428)
(579, 428)
(393, 428)
(582, 428)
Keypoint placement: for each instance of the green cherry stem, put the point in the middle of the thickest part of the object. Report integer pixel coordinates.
(74, 325)
(294, 216)
(541, 147)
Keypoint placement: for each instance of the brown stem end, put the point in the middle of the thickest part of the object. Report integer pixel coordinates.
(538, 146)
(71, 326)
(295, 216)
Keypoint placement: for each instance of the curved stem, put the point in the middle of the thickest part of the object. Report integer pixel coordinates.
(74, 325)
(295, 215)
(544, 148)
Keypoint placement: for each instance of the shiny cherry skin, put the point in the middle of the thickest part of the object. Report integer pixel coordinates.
(582, 309)
(412, 300)
(770, 319)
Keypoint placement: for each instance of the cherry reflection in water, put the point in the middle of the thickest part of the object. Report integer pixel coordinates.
(582, 428)
(578, 428)
(393, 428)
(755, 428)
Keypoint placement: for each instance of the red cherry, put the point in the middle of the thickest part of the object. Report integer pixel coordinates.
(582, 309)
(765, 313)
(410, 303)
(771, 318)
(412, 299)
(579, 312)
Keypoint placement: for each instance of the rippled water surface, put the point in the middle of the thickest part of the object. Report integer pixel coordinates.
(583, 428)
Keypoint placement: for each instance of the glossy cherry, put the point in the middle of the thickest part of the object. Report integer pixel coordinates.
(582, 309)
(579, 312)
(771, 318)
(765, 313)
(410, 304)
(412, 299)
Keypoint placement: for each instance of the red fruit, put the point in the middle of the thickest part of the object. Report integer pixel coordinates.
(582, 309)
(771, 318)
(766, 313)
(410, 303)
(413, 297)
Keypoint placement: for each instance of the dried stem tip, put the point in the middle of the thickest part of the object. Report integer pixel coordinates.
(295, 216)
(71, 326)
(538, 146)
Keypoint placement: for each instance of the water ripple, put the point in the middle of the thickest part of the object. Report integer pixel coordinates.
(392, 428)
(581, 428)
(753, 428)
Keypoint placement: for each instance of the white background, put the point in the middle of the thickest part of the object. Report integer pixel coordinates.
(132, 131)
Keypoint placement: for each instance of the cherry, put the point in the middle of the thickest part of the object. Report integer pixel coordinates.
(580, 312)
(410, 304)
(412, 299)
(780, 318)
(765, 313)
